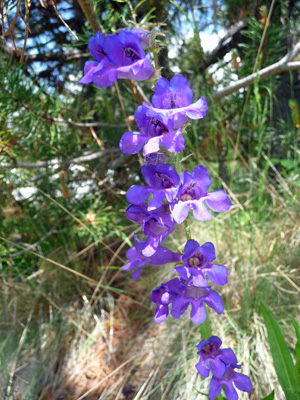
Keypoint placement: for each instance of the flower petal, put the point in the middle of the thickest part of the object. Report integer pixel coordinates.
(105, 74)
(138, 194)
(197, 110)
(183, 271)
(161, 313)
(173, 141)
(228, 356)
(209, 250)
(89, 68)
(157, 201)
(243, 382)
(214, 300)
(131, 142)
(199, 210)
(230, 392)
(139, 71)
(150, 246)
(218, 367)
(180, 211)
(198, 313)
(215, 388)
(218, 274)
(202, 369)
(201, 175)
(152, 145)
(218, 201)
(179, 306)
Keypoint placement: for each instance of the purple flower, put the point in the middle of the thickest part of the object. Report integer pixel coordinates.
(163, 182)
(213, 358)
(241, 381)
(181, 296)
(156, 131)
(196, 296)
(158, 224)
(174, 100)
(117, 57)
(163, 295)
(193, 194)
(198, 263)
(137, 260)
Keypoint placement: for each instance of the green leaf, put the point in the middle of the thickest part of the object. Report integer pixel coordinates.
(205, 328)
(282, 358)
(297, 348)
(270, 396)
(296, 372)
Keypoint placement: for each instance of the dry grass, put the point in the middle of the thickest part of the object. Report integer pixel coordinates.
(60, 345)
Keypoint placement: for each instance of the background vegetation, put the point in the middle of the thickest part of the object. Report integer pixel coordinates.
(73, 325)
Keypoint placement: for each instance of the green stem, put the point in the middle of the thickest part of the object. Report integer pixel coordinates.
(187, 230)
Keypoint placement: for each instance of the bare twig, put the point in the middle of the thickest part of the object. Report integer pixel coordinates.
(285, 64)
(34, 245)
(53, 3)
(91, 16)
(93, 124)
(56, 161)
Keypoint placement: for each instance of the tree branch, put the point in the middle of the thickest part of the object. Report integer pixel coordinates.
(62, 57)
(285, 64)
(56, 161)
(231, 39)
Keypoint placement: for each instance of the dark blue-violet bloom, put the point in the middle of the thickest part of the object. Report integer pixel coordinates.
(193, 194)
(163, 182)
(157, 224)
(137, 260)
(213, 358)
(174, 100)
(163, 295)
(156, 130)
(196, 296)
(241, 381)
(181, 296)
(198, 263)
(117, 57)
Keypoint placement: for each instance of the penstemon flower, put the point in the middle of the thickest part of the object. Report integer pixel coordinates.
(241, 381)
(156, 130)
(212, 358)
(117, 57)
(198, 263)
(157, 224)
(222, 362)
(181, 296)
(163, 182)
(137, 260)
(193, 194)
(174, 100)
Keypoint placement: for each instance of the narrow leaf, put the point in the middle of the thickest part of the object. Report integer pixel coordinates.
(282, 358)
(296, 372)
(270, 396)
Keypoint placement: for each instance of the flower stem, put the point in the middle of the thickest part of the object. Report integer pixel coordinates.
(187, 229)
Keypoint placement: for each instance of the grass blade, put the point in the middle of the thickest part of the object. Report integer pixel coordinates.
(297, 352)
(282, 358)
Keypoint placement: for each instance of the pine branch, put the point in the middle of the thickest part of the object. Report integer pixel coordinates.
(285, 64)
